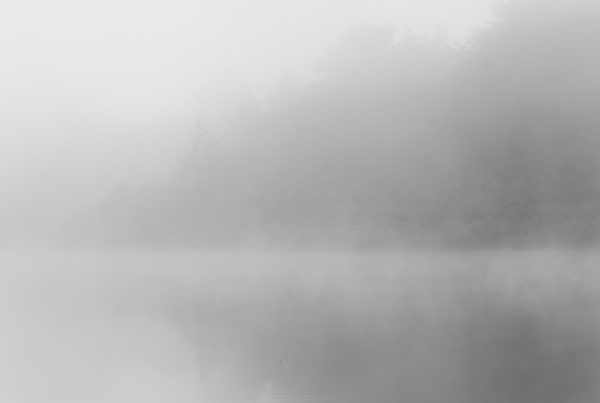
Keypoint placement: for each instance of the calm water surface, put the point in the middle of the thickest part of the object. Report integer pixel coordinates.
(271, 326)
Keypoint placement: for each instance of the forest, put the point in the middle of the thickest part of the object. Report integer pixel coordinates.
(398, 140)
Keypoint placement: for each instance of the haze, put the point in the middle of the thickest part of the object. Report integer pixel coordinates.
(94, 94)
(291, 202)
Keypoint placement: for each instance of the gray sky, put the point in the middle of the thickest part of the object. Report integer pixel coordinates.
(97, 90)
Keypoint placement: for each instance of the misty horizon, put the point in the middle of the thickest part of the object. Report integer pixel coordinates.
(269, 201)
(108, 94)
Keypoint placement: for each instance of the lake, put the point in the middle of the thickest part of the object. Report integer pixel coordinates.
(272, 326)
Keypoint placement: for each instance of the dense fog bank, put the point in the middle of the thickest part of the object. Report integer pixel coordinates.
(416, 220)
(397, 141)
(290, 327)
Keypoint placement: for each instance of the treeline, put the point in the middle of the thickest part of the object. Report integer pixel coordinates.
(403, 142)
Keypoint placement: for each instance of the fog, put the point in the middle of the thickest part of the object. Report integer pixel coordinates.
(298, 326)
(98, 94)
(289, 202)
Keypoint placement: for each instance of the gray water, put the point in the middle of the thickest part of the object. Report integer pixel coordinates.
(281, 327)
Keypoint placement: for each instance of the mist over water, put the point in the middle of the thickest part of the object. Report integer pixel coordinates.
(256, 326)
(299, 202)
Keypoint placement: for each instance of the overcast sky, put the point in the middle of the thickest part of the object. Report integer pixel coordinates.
(119, 77)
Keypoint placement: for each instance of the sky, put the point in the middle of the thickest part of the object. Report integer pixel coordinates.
(92, 93)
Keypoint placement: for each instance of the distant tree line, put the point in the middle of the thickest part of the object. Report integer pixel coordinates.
(414, 141)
